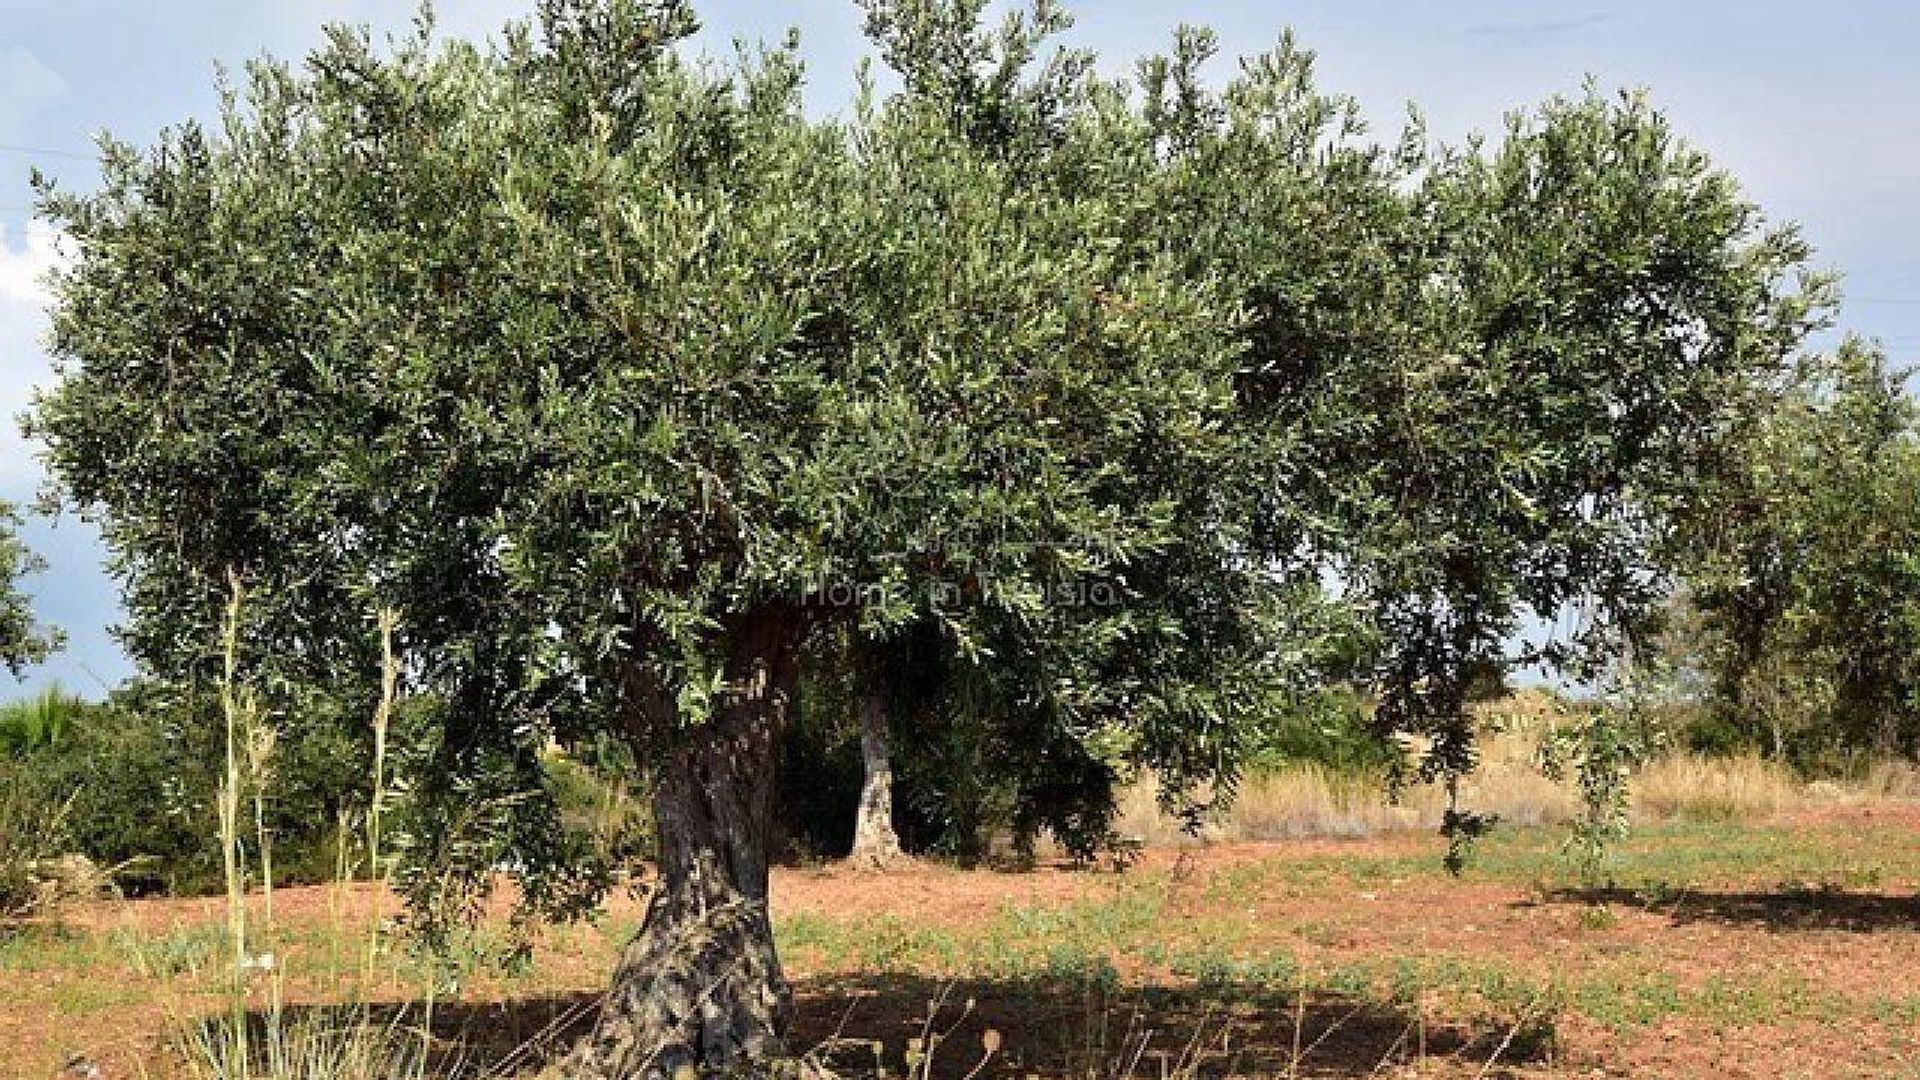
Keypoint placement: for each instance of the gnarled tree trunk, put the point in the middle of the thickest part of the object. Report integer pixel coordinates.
(699, 986)
(875, 843)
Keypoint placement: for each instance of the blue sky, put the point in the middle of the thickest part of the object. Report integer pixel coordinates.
(1815, 107)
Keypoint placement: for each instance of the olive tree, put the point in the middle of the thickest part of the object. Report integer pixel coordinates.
(1802, 575)
(628, 384)
(1516, 365)
(1599, 313)
(620, 379)
(1480, 387)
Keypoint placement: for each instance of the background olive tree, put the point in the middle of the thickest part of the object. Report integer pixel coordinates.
(1484, 386)
(1803, 578)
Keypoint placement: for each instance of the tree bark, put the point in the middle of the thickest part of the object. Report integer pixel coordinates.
(875, 843)
(699, 987)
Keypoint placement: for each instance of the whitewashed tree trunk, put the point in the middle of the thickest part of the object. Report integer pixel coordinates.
(875, 843)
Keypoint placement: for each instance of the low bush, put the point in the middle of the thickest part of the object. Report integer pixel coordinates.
(600, 795)
(33, 834)
(1332, 728)
(135, 778)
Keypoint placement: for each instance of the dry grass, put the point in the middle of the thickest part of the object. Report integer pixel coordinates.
(1695, 788)
(1308, 799)
(1311, 800)
(1891, 780)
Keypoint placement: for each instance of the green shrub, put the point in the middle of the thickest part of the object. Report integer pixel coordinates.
(1331, 727)
(33, 820)
(136, 776)
(134, 798)
(600, 794)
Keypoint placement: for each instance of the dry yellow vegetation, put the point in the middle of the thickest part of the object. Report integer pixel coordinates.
(1309, 799)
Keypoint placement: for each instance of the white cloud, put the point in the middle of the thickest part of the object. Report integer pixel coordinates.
(23, 272)
(1529, 31)
(23, 363)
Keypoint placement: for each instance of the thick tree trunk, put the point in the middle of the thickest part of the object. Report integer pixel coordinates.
(875, 843)
(699, 987)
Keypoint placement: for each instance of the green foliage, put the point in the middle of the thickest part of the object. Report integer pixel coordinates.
(1598, 305)
(820, 766)
(1600, 750)
(94, 786)
(599, 792)
(22, 641)
(135, 779)
(34, 815)
(79, 782)
(135, 799)
(1150, 404)
(1332, 726)
(1484, 382)
(582, 384)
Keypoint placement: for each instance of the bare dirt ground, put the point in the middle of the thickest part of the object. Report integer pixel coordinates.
(1790, 949)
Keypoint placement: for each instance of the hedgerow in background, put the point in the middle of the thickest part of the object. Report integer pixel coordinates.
(132, 796)
(133, 780)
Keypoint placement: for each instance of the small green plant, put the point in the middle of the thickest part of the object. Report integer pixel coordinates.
(180, 952)
(1075, 966)
(1599, 917)
(1600, 752)
(1222, 973)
